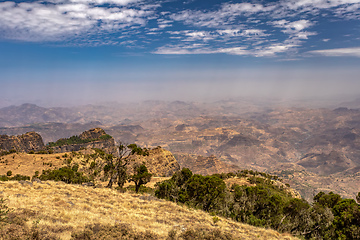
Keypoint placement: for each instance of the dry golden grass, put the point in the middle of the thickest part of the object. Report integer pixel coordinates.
(62, 209)
(242, 181)
(27, 164)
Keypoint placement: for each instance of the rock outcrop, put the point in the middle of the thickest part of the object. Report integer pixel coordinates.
(22, 143)
(94, 133)
(205, 165)
(96, 137)
(160, 162)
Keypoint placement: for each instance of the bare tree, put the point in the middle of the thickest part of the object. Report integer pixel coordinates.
(117, 166)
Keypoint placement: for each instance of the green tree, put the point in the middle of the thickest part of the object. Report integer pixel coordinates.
(206, 192)
(141, 176)
(327, 200)
(346, 219)
(174, 189)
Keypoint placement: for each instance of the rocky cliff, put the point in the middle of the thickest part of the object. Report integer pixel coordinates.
(22, 143)
(204, 165)
(93, 138)
(160, 162)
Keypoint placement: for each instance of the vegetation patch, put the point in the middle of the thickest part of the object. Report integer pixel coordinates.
(265, 204)
(3, 153)
(65, 174)
(76, 140)
(17, 177)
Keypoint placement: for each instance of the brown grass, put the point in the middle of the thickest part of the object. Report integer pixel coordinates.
(27, 164)
(57, 210)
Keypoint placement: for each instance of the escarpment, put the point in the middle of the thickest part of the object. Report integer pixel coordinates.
(93, 138)
(22, 143)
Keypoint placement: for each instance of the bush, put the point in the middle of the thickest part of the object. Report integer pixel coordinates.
(265, 205)
(207, 193)
(3, 153)
(17, 177)
(65, 174)
(9, 173)
(75, 140)
(138, 150)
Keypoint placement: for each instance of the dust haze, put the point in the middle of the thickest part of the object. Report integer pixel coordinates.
(317, 87)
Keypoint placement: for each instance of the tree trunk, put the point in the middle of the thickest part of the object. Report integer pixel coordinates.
(112, 180)
(137, 187)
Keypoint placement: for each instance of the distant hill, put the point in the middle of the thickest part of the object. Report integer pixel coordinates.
(318, 142)
(119, 113)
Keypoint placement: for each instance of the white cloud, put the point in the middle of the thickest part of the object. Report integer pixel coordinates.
(264, 28)
(273, 49)
(162, 23)
(338, 52)
(239, 8)
(292, 27)
(100, 2)
(295, 29)
(242, 33)
(36, 21)
(297, 4)
(268, 51)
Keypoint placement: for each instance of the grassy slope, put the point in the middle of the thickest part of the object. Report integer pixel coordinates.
(27, 164)
(62, 209)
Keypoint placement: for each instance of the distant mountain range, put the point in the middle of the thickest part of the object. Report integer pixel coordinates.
(312, 148)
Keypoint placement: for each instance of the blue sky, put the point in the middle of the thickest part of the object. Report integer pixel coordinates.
(80, 51)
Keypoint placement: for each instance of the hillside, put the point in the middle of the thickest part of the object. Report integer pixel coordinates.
(54, 209)
(160, 162)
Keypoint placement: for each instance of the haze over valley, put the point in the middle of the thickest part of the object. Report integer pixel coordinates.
(314, 149)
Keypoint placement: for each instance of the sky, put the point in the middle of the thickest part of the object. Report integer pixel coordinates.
(71, 52)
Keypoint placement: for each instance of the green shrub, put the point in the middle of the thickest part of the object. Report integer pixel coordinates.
(4, 178)
(138, 150)
(19, 177)
(75, 140)
(3, 153)
(105, 137)
(264, 205)
(9, 173)
(65, 174)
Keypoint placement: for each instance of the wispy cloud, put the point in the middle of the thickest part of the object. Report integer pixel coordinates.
(261, 29)
(62, 19)
(338, 52)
